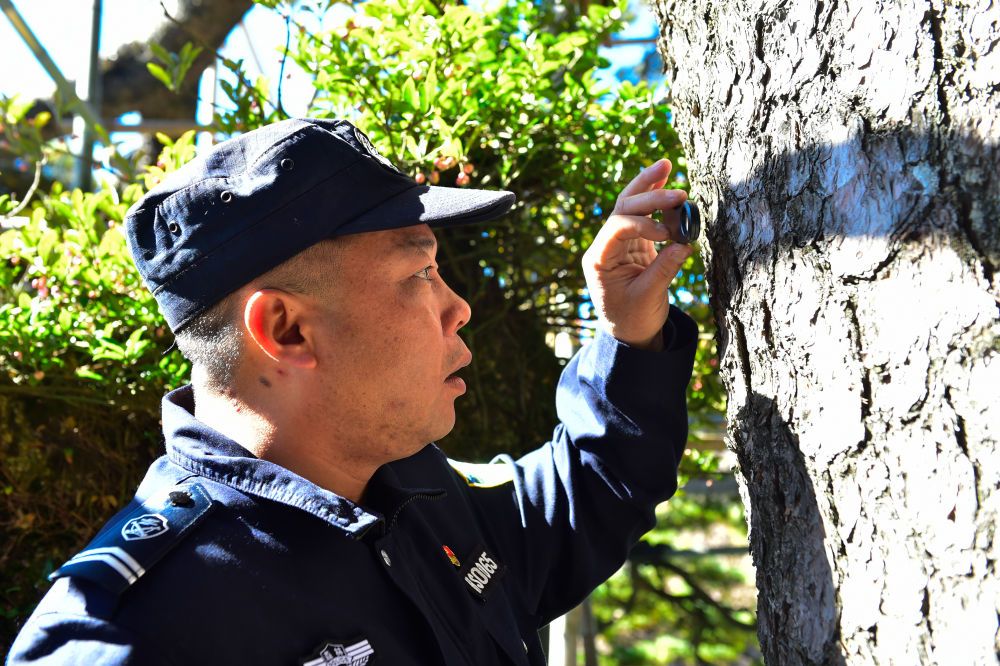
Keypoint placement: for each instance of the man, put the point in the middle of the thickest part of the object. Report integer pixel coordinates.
(300, 515)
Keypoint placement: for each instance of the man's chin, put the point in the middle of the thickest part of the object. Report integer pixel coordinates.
(443, 427)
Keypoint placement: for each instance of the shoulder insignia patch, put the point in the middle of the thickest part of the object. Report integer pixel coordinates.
(146, 526)
(126, 549)
(487, 475)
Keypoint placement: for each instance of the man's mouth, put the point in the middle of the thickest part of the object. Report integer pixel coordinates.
(466, 360)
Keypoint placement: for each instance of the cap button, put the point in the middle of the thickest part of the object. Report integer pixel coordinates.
(287, 164)
(180, 498)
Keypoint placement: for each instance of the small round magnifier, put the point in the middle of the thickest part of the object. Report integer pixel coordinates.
(690, 223)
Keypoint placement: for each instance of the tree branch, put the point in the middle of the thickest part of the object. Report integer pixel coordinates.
(30, 193)
(653, 555)
(128, 86)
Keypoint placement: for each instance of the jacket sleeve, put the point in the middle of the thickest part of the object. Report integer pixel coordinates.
(76, 634)
(581, 501)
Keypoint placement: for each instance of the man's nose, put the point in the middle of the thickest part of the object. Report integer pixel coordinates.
(457, 312)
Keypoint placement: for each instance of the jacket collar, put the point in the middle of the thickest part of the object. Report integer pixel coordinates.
(202, 450)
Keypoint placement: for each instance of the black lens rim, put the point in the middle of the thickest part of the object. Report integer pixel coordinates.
(690, 223)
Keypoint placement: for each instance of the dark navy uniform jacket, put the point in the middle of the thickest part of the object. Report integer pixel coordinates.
(223, 558)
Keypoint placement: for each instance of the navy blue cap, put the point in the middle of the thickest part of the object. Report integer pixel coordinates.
(258, 199)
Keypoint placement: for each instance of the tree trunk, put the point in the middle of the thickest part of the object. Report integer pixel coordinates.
(845, 155)
(128, 85)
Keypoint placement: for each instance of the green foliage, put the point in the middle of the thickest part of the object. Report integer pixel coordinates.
(172, 68)
(82, 372)
(76, 323)
(22, 136)
(692, 609)
(489, 98)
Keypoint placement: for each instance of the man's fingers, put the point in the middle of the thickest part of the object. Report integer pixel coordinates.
(646, 203)
(659, 274)
(652, 177)
(622, 228)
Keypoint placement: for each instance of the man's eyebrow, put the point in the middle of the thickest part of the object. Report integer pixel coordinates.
(418, 243)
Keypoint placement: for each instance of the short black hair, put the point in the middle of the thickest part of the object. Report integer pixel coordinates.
(213, 343)
(214, 340)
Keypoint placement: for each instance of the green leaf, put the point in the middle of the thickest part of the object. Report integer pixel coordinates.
(41, 119)
(134, 343)
(429, 90)
(410, 94)
(187, 57)
(159, 74)
(47, 245)
(159, 52)
(87, 373)
(65, 319)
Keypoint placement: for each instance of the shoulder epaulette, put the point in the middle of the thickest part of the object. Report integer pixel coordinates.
(129, 547)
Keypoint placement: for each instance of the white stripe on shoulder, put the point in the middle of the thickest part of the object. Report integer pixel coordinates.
(119, 553)
(110, 561)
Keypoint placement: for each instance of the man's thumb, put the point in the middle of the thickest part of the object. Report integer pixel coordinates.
(668, 262)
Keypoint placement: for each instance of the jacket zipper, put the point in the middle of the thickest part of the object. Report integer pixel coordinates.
(399, 509)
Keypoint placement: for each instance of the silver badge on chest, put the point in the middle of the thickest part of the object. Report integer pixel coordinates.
(341, 654)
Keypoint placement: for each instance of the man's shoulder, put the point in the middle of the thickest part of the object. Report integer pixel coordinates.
(91, 587)
(433, 467)
(133, 542)
(186, 548)
(174, 514)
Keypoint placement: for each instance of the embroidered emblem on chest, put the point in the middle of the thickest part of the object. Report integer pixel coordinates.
(481, 572)
(145, 527)
(341, 654)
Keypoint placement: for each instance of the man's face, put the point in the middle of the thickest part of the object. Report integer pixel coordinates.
(387, 345)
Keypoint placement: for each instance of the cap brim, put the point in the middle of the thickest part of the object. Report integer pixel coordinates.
(435, 206)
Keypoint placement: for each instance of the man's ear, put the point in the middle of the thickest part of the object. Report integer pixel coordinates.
(272, 318)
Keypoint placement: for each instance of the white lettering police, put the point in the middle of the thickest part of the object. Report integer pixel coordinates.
(480, 573)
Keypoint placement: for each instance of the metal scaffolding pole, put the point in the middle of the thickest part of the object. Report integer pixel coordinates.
(66, 92)
(88, 90)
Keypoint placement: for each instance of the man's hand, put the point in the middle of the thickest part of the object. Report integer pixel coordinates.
(627, 278)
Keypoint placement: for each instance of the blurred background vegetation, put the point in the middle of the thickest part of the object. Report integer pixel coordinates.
(505, 95)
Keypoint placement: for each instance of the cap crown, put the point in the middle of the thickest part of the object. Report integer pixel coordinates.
(251, 203)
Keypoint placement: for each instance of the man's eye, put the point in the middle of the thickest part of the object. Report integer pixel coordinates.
(425, 273)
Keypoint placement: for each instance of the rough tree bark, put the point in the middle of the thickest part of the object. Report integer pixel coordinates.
(846, 156)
